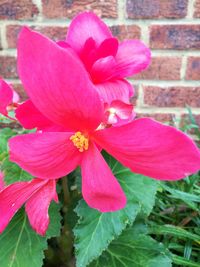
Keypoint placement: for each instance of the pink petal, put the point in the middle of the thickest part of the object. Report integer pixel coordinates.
(100, 188)
(30, 117)
(152, 149)
(102, 69)
(123, 110)
(13, 197)
(107, 48)
(57, 83)
(100, 57)
(63, 44)
(132, 57)
(88, 53)
(118, 89)
(38, 205)
(1, 181)
(84, 26)
(6, 97)
(103, 61)
(45, 155)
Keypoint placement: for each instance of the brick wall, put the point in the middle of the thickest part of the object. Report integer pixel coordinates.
(171, 28)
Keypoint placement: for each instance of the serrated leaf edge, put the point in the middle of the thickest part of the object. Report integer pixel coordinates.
(108, 242)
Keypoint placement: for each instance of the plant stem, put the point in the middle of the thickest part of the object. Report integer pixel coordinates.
(65, 191)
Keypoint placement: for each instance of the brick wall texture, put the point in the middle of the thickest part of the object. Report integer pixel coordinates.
(171, 28)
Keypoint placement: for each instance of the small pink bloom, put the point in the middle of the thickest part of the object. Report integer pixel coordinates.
(107, 61)
(36, 195)
(8, 98)
(118, 113)
(65, 95)
(104, 57)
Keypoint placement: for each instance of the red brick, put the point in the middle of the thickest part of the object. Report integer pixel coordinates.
(59, 33)
(175, 37)
(20, 90)
(193, 68)
(172, 96)
(134, 98)
(12, 32)
(68, 9)
(147, 9)
(18, 9)
(165, 118)
(53, 32)
(162, 68)
(197, 9)
(123, 32)
(8, 67)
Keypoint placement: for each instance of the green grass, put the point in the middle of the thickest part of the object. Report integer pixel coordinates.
(175, 220)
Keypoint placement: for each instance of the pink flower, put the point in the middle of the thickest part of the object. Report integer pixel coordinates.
(8, 97)
(37, 194)
(60, 88)
(107, 61)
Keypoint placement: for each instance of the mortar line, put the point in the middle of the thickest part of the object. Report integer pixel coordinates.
(140, 97)
(3, 37)
(121, 6)
(190, 11)
(110, 22)
(167, 83)
(38, 3)
(145, 34)
(183, 67)
(155, 53)
(166, 110)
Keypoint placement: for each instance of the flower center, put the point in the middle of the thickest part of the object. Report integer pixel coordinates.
(112, 111)
(80, 141)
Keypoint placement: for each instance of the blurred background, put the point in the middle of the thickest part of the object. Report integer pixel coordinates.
(171, 28)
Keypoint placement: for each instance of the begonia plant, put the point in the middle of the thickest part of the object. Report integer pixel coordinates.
(78, 126)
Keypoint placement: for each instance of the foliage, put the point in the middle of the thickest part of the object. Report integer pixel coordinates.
(20, 246)
(159, 226)
(96, 230)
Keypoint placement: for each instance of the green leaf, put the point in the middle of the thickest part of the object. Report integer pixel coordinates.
(184, 262)
(13, 173)
(184, 196)
(134, 249)
(174, 231)
(139, 187)
(5, 134)
(96, 230)
(20, 246)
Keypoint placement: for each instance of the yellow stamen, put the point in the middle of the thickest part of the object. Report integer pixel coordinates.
(80, 141)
